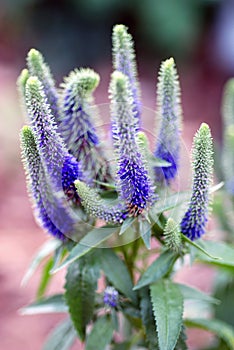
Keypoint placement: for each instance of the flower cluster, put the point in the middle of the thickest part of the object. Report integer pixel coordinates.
(64, 158)
(111, 297)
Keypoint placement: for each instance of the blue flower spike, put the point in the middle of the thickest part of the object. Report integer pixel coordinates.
(169, 113)
(133, 181)
(124, 60)
(61, 167)
(39, 68)
(111, 297)
(195, 219)
(77, 124)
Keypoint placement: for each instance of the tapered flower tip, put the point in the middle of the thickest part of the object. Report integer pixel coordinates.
(26, 132)
(169, 63)
(84, 80)
(35, 58)
(172, 235)
(142, 138)
(22, 80)
(33, 89)
(119, 80)
(120, 30)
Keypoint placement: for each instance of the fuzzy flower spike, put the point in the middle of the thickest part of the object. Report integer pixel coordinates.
(195, 219)
(170, 115)
(124, 60)
(49, 210)
(61, 167)
(133, 180)
(39, 68)
(77, 124)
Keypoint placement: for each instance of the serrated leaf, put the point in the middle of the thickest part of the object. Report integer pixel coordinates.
(45, 250)
(116, 272)
(126, 224)
(81, 284)
(221, 329)
(224, 250)
(181, 342)
(148, 320)
(100, 335)
(62, 337)
(53, 304)
(86, 244)
(157, 269)
(167, 302)
(194, 293)
(145, 232)
(45, 278)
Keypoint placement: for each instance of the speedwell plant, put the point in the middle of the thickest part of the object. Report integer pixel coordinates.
(112, 224)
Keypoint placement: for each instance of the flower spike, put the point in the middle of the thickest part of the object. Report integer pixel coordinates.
(50, 211)
(228, 135)
(133, 180)
(62, 168)
(195, 219)
(38, 67)
(170, 115)
(77, 124)
(124, 60)
(96, 206)
(172, 235)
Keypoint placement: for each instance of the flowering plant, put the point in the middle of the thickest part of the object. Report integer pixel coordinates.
(117, 225)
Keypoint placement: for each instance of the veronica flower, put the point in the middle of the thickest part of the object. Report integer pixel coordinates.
(228, 135)
(172, 235)
(195, 219)
(49, 209)
(124, 60)
(61, 167)
(96, 206)
(37, 67)
(77, 124)
(133, 180)
(111, 297)
(169, 112)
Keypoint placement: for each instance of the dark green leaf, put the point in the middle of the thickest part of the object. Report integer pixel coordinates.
(55, 303)
(148, 320)
(157, 269)
(199, 247)
(62, 337)
(223, 250)
(193, 293)
(45, 278)
(46, 249)
(221, 329)
(100, 335)
(145, 231)
(116, 272)
(167, 302)
(81, 284)
(90, 241)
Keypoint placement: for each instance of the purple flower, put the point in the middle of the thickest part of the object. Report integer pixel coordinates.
(133, 180)
(111, 297)
(195, 219)
(124, 61)
(169, 112)
(50, 210)
(61, 167)
(77, 124)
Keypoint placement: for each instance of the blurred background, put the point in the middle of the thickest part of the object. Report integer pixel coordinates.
(199, 34)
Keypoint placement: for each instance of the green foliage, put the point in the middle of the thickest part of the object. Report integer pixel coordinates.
(52, 304)
(101, 334)
(62, 337)
(167, 302)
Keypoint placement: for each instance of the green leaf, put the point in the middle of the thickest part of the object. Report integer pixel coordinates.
(116, 272)
(157, 269)
(224, 250)
(181, 342)
(170, 202)
(148, 319)
(193, 293)
(221, 329)
(62, 337)
(45, 278)
(145, 231)
(86, 244)
(200, 248)
(158, 162)
(126, 224)
(45, 250)
(52, 304)
(167, 302)
(81, 284)
(100, 335)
